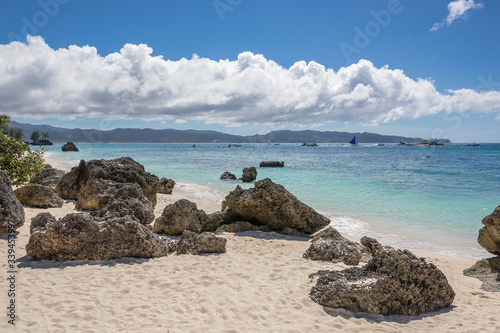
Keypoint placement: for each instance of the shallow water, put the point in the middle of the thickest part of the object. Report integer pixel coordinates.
(394, 193)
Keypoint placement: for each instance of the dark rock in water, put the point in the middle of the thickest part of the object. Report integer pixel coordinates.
(180, 216)
(121, 170)
(108, 199)
(272, 205)
(330, 245)
(193, 243)
(48, 176)
(79, 237)
(69, 146)
(228, 176)
(272, 164)
(166, 186)
(393, 282)
(488, 271)
(489, 235)
(235, 227)
(38, 196)
(249, 175)
(11, 210)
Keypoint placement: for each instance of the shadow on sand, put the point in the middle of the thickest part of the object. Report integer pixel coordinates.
(269, 235)
(26, 262)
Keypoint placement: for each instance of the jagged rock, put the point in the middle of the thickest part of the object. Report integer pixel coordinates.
(330, 245)
(374, 247)
(488, 271)
(193, 243)
(272, 164)
(235, 227)
(489, 235)
(48, 176)
(213, 221)
(69, 146)
(121, 170)
(38, 196)
(228, 176)
(166, 186)
(249, 175)
(11, 210)
(393, 282)
(180, 216)
(79, 237)
(272, 205)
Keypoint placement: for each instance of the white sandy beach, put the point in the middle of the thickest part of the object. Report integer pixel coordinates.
(260, 285)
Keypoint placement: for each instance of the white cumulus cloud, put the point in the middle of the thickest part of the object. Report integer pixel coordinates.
(37, 81)
(457, 9)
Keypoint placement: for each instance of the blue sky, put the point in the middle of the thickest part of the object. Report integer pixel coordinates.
(460, 55)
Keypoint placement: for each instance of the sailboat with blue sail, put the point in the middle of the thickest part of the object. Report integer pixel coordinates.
(354, 141)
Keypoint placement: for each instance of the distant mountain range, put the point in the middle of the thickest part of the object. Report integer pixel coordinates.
(59, 134)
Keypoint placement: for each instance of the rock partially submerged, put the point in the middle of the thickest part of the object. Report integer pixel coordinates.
(48, 176)
(69, 146)
(38, 196)
(121, 170)
(488, 271)
(272, 205)
(330, 245)
(11, 210)
(193, 243)
(227, 176)
(489, 235)
(166, 186)
(80, 237)
(249, 175)
(393, 282)
(272, 164)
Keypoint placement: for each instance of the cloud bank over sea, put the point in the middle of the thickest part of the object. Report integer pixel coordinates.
(37, 81)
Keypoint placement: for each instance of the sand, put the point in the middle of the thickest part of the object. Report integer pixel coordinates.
(260, 285)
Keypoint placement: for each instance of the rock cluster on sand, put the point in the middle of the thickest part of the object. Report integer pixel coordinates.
(249, 175)
(11, 210)
(80, 237)
(48, 176)
(227, 176)
(69, 146)
(330, 245)
(193, 243)
(121, 170)
(272, 205)
(488, 270)
(393, 282)
(272, 164)
(166, 186)
(184, 215)
(38, 196)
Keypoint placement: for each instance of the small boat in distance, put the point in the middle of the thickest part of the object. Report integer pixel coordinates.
(234, 145)
(354, 141)
(381, 145)
(309, 144)
(472, 144)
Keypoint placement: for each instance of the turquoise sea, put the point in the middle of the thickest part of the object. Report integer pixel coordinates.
(429, 198)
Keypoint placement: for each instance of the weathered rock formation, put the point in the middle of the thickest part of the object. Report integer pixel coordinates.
(166, 186)
(48, 176)
(38, 196)
(272, 205)
(80, 237)
(330, 245)
(69, 146)
(489, 235)
(193, 243)
(272, 164)
(121, 170)
(249, 175)
(488, 271)
(227, 176)
(11, 210)
(393, 282)
(235, 227)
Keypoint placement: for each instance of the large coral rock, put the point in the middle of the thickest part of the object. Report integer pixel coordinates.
(489, 235)
(48, 176)
(330, 245)
(193, 243)
(38, 196)
(180, 216)
(272, 164)
(227, 176)
(121, 170)
(69, 146)
(108, 199)
(393, 282)
(249, 175)
(11, 210)
(488, 271)
(272, 205)
(166, 186)
(80, 237)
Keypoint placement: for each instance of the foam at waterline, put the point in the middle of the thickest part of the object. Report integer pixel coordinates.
(202, 192)
(58, 163)
(356, 228)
